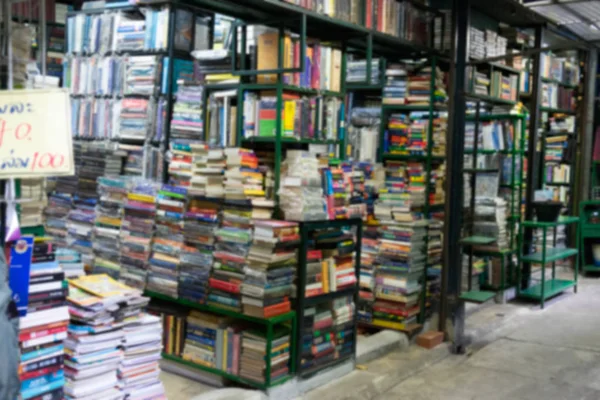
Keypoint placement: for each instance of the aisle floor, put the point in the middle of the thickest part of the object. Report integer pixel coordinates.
(530, 354)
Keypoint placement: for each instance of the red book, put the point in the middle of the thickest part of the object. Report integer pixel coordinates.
(314, 292)
(314, 255)
(277, 309)
(236, 354)
(42, 333)
(380, 15)
(369, 14)
(224, 286)
(316, 68)
(40, 372)
(37, 331)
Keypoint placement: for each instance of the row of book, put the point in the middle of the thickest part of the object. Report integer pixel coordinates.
(303, 117)
(560, 173)
(556, 96)
(560, 69)
(407, 134)
(356, 72)
(346, 10)
(128, 119)
(496, 135)
(235, 347)
(486, 44)
(122, 31)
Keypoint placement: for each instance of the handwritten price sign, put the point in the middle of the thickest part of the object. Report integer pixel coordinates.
(35, 133)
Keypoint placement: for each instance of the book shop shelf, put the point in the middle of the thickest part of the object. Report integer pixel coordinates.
(545, 289)
(589, 232)
(269, 323)
(484, 246)
(302, 302)
(563, 84)
(557, 110)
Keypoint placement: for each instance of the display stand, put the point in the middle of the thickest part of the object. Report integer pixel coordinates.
(302, 302)
(547, 288)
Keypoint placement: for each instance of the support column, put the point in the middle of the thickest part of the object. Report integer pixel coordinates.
(586, 133)
(451, 312)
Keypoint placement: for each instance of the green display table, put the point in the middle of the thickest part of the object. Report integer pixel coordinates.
(547, 288)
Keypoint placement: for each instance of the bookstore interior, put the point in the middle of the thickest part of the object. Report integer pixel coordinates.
(239, 190)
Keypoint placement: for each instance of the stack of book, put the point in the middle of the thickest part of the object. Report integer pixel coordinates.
(196, 259)
(337, 248)
(187, 121)
(139, 369)
(368, 262)
(401, 138)
(357, 72)
(476, 43)
(440, 127)
(318, 338)
(253, 359)
(243, 179)
(32, 209)
(44, 328)
(507, 88)
(434, 261)
(137, 232)
(336, 194)
(107, 229)
(490, 220)
(234, 239)
(100, 308)
(163, 275)
(59, 206)
(301, 193)
(480, 83)
(213, 342)
(180, 163)
(395, 91)
(272, 264)
(70, 262)
(135, 119)
(343, 326)
(346, 10)
(316, 273)
(207, 171)
(419, 90)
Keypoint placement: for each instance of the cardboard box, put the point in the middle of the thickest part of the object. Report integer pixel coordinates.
(429, 340)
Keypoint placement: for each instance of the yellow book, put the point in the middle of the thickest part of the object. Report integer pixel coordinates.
(388, 324)
(141, 197)
(289, 115)
(102, 285)
(177, 336)
(224, 359)
(279, 348)
(195, 360)
(254, 192)
(325, 275)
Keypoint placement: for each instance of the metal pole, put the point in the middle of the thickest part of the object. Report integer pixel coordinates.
(587, 127)
(452, 265)
(533, 157)
(42, 41)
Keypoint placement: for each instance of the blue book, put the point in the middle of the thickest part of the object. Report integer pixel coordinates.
(201, 339)
(41, 352)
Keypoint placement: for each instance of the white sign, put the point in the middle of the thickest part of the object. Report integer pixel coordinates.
(35, 133)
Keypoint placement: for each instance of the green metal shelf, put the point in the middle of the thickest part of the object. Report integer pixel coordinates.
(482, 151)
(491, 99)
(224, 374)
(550, 288)
(477, 240)
(363, 87)
(477, 296)
(495, 253)
(557, 110)
(409, 107)
(203, 307)
(290, 88)
(290, 140)
(493, 117)
(409, 157)
(552, 254)
(590, 268)
(558, 133)
(562, 220)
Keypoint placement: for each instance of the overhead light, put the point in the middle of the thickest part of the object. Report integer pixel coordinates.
(594, 27)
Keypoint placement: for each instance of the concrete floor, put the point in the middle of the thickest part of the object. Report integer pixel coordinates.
(520, 352)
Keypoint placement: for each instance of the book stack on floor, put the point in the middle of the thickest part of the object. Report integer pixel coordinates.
(31, 210)
(137, 232)
(253, 359)
(163, 273)
(187, 122)
(180, 163)
(301, 192)
(316, 273)
(212, 341)
(243, 179)
(207, 171)
(196, 259)
(100, 309)
(107, 229)
(44, 328)
(272, 265)
(70, 262)
(401, 137)
(434, 261)
(139, 370)
(396, 83)
(318, 344)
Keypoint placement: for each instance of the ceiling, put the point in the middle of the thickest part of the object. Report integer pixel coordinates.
(581, 17)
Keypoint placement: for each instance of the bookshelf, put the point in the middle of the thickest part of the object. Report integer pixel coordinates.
(306, 365)
(268, 323)
(486, 251)
(101, 60)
